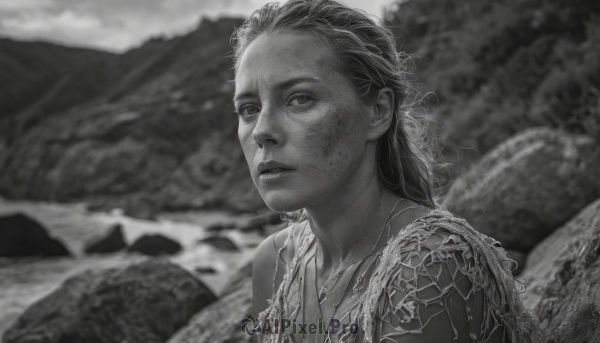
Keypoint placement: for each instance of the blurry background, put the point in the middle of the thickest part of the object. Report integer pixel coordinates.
(120, 112)
(118, 26)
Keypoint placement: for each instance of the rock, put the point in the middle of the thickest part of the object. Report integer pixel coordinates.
(554, 246)
(252, 226)
(528, 186)
(220, 242)
(112, 241)
(219, 322)
(23, 236)
(142, 207)
(154, 245)
(142, 303)
(205, 270)
(545, 260)
(238, 280)
(251, 244)
(217, 227)
(569, 306)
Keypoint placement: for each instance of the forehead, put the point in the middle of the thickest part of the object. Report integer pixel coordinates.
(275, 57)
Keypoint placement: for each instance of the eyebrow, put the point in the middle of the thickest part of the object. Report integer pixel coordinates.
(282, 85)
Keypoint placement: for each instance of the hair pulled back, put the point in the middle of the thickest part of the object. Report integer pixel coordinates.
(365, 52)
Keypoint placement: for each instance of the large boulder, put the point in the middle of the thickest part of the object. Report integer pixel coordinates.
(110, 242)
(23, 236)
(569, 305)
(545, 260)
(528, 186)
(142, 303)
(220, 322)
(154, 245)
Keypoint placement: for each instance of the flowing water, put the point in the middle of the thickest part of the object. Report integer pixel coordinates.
(25, 280)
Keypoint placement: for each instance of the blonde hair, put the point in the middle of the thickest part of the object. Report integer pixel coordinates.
(366, 53)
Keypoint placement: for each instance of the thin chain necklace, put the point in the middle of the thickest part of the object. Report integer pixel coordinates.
(322, 295)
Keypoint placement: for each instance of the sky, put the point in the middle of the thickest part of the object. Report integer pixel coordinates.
(117, 25)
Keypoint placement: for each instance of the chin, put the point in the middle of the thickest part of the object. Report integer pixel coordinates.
(281, 201)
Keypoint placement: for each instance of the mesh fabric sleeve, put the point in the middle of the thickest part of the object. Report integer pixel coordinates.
(440, 280)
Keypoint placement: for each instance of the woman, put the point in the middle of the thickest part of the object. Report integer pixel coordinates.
(322, 98)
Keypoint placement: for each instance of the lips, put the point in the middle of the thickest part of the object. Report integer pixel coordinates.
(274, 170)
(268, 167)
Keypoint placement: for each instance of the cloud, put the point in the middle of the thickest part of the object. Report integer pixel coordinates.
(9, 5)
(117, 25)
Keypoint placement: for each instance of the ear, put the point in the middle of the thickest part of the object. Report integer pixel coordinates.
(382, 111)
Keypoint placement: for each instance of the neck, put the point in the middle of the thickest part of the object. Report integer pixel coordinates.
(347, 227)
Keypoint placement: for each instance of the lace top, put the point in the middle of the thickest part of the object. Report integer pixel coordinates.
(404, 291)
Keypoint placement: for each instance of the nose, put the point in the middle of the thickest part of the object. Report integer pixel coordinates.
(268, 131)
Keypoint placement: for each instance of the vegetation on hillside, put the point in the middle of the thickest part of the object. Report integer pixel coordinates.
(28, 70)
(498, 67)
(157, 127)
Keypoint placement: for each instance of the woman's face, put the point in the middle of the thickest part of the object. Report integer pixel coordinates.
(301, 125)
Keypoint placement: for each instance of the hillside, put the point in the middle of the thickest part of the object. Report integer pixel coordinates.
(157, 128)
(28, 70)
(154, 127)
(499, 67)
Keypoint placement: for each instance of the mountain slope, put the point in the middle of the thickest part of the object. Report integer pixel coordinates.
(159, 128)
(27, 70)
(499, 67)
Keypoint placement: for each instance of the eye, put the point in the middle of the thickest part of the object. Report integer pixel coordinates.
(248, 110)
(300, 99)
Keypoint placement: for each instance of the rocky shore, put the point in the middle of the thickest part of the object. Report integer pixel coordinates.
(26, 281)
(118, 294)
(128, 213)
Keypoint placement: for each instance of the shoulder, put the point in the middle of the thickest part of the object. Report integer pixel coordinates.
(276, 250)
(442, 232)
(442, 281)
(270, 262)
(427, 233)
(268, 249)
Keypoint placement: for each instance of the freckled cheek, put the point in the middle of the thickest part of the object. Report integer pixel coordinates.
(327, 146)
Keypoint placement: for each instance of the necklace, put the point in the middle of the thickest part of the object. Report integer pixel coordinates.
(322, 294)
(360, 280)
